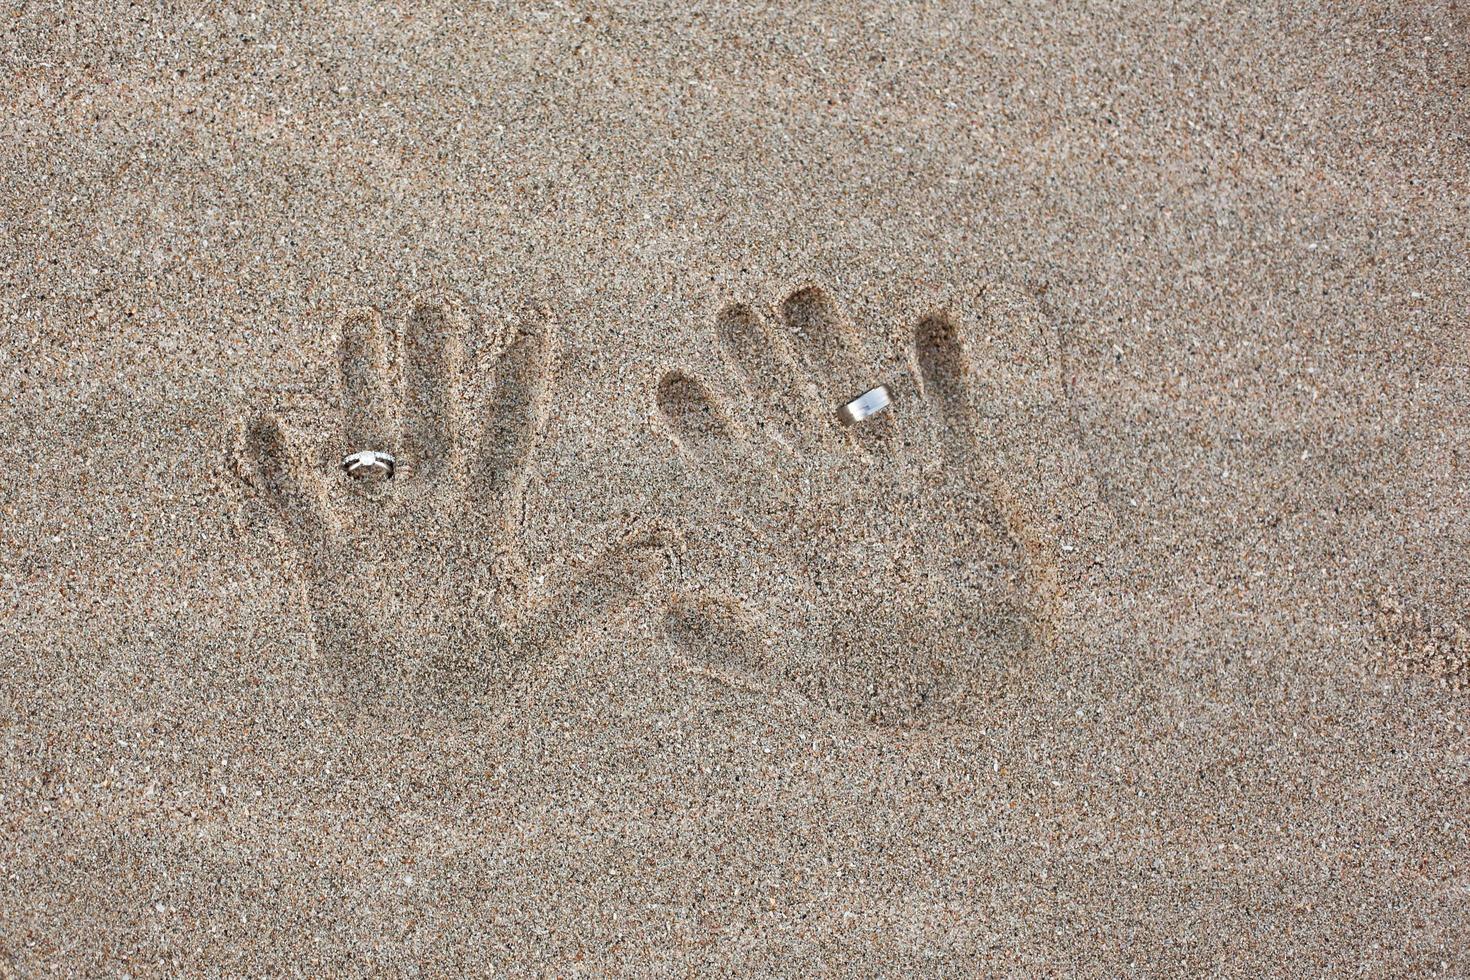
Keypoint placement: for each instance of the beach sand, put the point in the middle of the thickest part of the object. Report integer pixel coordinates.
(1130, 641)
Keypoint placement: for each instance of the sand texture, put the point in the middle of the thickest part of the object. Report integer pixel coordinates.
(1133, 640)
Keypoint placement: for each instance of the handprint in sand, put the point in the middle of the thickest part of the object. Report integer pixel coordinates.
(417, 586)
(905, 570)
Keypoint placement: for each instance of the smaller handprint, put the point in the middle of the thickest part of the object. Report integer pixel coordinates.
(419, 592)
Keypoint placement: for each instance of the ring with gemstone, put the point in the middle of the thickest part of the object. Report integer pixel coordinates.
(369, 464)
(865, 406)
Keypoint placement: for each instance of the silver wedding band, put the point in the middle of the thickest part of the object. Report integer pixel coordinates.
(369, 465)
(865, 406)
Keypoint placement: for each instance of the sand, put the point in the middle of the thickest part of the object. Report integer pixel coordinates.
(1131, 641)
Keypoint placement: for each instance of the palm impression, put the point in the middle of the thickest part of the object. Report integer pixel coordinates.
(904, 570)
(418, 590)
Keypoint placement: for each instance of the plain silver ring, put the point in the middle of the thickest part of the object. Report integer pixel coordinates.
(865, 406)
(369, 464)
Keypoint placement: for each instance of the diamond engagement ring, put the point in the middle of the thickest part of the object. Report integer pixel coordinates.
(865, 406)
(369, 465)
